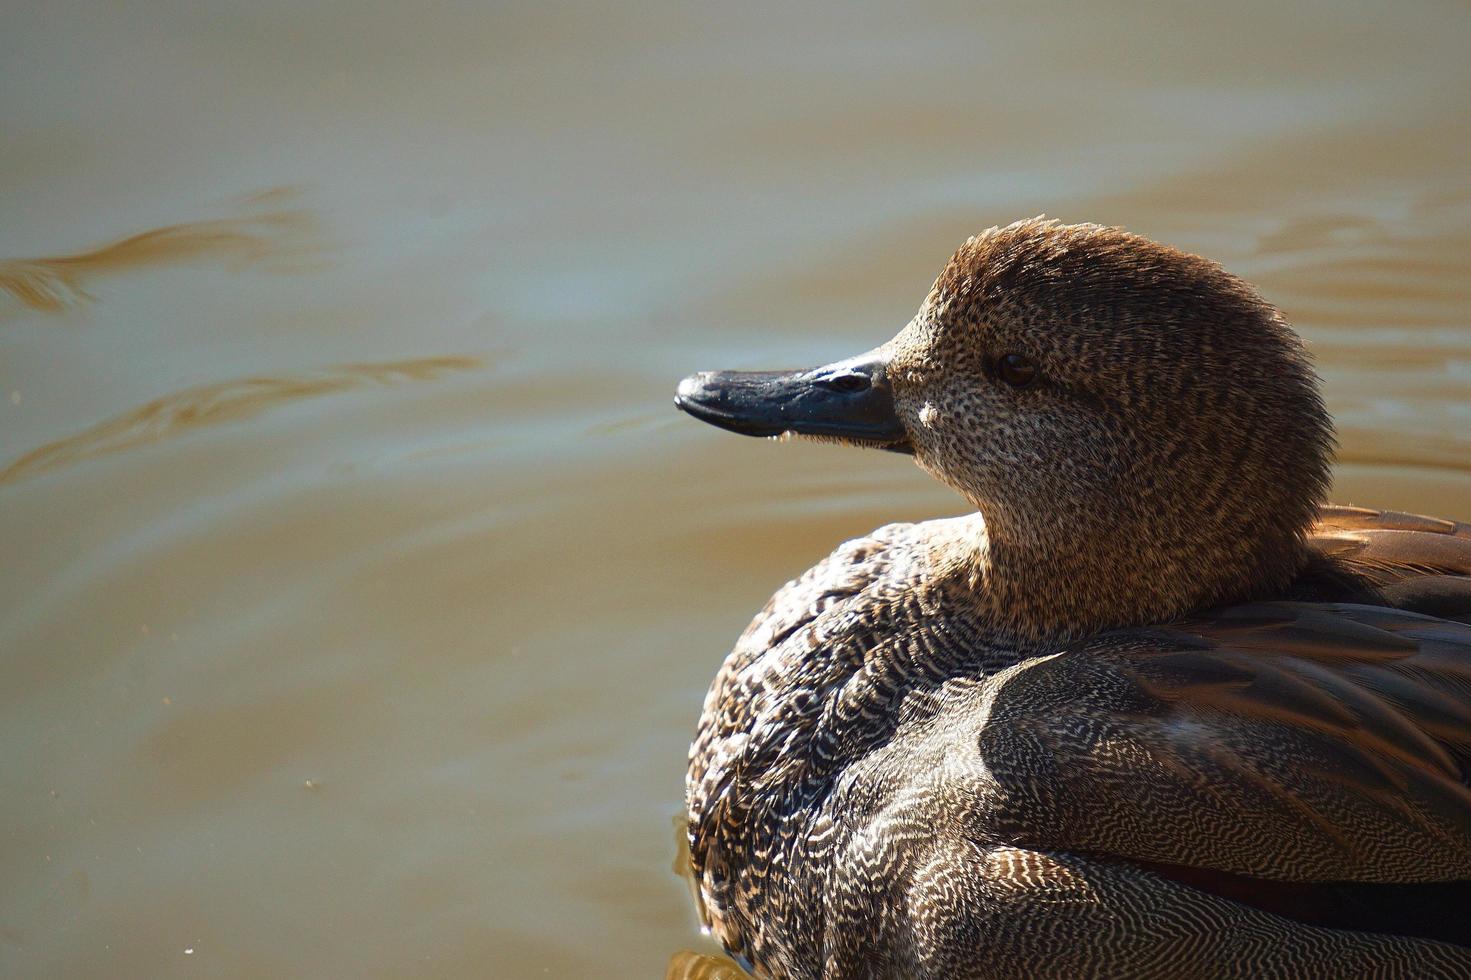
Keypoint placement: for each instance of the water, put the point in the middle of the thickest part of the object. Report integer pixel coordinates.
(361, 584)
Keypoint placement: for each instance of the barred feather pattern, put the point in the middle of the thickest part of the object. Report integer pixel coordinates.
(883, 787)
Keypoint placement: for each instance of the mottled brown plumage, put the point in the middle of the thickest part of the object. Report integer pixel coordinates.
(1152, 710)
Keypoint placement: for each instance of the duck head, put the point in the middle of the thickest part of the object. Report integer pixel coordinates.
(1140, 432)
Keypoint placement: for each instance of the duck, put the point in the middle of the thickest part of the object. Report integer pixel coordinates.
(1150, 708)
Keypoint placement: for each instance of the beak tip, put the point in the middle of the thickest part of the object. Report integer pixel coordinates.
(688, 388)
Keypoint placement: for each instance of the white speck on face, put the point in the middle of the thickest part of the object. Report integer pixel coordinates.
(929, 415)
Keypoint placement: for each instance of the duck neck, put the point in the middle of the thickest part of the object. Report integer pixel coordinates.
(1075, 580)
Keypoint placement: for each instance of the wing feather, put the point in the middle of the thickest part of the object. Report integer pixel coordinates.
(1291, 741)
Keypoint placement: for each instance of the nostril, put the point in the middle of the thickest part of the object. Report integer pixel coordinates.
(848, 384)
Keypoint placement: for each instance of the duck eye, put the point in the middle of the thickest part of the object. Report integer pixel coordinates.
(1017, 370)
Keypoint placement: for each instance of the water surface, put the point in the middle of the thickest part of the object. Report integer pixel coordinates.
(360, 584)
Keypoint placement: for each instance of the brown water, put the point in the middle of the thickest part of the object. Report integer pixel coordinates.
(360, 584)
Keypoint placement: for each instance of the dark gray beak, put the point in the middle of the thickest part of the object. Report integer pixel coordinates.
(849, 401)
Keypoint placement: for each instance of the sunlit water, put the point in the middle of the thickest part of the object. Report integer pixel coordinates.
(360, 584)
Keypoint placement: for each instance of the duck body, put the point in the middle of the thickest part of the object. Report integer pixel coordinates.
(1004, 745)
(880, 789)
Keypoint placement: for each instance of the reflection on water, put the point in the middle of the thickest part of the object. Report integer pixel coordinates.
(686, 965)
(400, 682)
(229, 401)
(56, 283)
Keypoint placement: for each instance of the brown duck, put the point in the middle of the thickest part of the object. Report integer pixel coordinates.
(1152, 711)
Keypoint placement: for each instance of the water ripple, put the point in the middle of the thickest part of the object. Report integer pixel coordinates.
(229, 401)
(56, 283)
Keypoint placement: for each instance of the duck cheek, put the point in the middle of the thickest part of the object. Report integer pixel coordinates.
(922, 420)
(957, 459)
(934, 453)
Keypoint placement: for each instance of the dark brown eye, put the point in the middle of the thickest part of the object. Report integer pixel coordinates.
(1016, 370)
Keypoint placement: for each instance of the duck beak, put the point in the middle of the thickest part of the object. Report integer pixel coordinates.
(849, 401)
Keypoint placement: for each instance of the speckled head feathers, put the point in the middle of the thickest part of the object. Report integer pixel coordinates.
(1168, 449)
